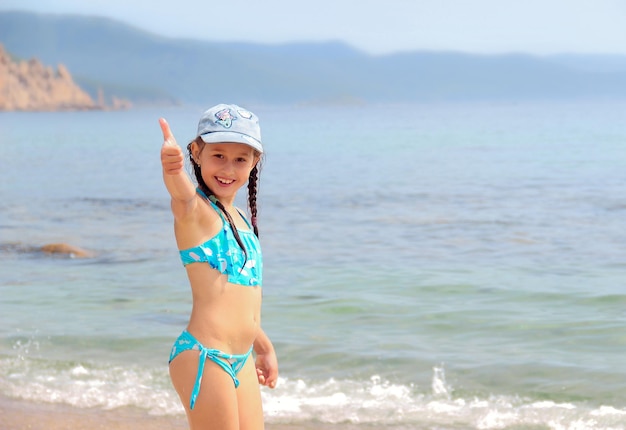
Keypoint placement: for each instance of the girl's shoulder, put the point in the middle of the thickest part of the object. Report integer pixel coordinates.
(200, 223)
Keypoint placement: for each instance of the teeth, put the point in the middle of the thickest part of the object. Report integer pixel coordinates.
(225, 181)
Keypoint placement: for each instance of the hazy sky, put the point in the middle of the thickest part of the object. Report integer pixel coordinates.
(383, 26)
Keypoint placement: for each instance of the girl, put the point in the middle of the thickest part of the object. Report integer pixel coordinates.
(210, 364)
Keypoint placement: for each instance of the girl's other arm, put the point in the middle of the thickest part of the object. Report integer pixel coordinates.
(266, 361)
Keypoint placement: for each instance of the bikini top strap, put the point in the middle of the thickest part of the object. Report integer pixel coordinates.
(217, 209)
(245, 219)
(213, 205)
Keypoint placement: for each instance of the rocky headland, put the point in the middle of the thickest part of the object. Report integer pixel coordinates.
(32, 86)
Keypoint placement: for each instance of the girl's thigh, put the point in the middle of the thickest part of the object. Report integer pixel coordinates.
(216, 406)
(249, 398)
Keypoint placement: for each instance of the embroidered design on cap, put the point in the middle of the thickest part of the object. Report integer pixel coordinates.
(225, 118)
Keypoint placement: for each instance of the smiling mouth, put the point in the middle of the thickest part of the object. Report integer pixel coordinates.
(224, 181)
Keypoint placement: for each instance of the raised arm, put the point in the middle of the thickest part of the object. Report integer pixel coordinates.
(176, 180)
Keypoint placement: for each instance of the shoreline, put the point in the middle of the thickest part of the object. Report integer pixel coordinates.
(17, 414)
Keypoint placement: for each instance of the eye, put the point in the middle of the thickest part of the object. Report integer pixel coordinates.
(242, 160)
(220, 156)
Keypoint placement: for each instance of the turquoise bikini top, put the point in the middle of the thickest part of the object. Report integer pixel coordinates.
(223, 253)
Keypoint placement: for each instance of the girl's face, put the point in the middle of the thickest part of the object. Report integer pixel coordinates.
(225, 166)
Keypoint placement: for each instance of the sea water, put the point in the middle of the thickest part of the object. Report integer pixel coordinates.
(434, 266)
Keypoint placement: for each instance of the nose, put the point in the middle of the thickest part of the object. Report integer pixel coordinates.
(229, 166)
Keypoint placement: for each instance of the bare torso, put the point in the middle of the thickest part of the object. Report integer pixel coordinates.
(224, 316)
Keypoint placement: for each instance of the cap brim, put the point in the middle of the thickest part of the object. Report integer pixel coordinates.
(231, 137)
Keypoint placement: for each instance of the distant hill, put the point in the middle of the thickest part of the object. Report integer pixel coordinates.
(144, 67)
(30, 85)
(596, 63)
(33, 86)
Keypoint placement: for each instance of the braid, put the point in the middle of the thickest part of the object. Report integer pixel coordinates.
(232, 224)
(253, 181)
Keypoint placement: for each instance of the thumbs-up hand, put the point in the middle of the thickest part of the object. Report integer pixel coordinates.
(172, 157)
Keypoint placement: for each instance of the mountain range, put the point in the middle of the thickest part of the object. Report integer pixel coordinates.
(126, 62)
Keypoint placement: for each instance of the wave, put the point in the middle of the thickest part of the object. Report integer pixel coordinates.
(373, 402)
(383, 403)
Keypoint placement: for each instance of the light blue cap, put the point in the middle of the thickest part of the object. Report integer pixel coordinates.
(226, 123)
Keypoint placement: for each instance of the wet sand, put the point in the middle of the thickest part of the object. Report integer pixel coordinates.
(24, 415)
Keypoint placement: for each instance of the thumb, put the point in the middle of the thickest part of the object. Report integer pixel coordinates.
(168, 137)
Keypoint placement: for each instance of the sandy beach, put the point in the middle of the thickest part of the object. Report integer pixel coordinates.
(23, 415)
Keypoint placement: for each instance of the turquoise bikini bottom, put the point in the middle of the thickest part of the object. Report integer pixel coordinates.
(231, 363)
